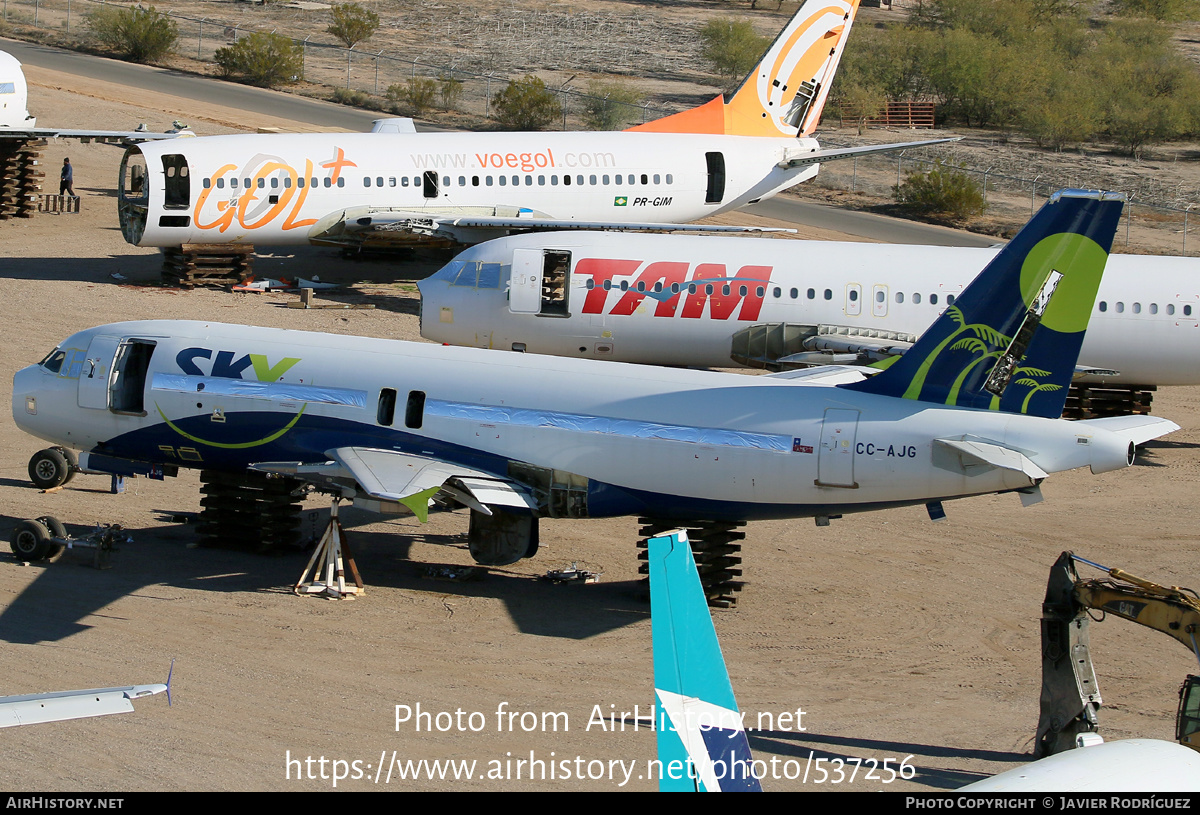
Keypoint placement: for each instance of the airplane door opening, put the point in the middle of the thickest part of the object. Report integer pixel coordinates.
(132, 197)
(835, 462)
(853, 299)
(555, 268)
(128, 390)
(177, 194)
(431, 183)
(716, 178)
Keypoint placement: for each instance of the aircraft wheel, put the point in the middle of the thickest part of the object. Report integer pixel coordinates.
(49, 468)
(57, 530)
(30, 541)
(72, 462)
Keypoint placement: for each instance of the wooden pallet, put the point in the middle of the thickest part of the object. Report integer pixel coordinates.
(207, 264)
(20, 178)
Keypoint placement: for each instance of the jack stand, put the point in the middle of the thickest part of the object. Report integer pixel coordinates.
(117, 485)
(329, 555)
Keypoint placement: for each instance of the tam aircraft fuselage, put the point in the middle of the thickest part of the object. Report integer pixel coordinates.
(722, 301)
(629, 439)
(293, 189)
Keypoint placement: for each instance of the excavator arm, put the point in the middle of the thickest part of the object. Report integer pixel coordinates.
(1070, 697)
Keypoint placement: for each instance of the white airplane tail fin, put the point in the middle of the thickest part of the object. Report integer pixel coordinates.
(784, 94)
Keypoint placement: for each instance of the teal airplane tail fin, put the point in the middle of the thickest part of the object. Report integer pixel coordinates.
(703, 746)
(1012, 340)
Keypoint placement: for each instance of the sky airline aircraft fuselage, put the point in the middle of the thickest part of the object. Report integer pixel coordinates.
(721, 301)
(518, 437)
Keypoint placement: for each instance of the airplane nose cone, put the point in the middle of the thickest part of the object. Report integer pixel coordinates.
(24, 402)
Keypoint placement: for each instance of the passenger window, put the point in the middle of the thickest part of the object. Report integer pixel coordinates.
(404, 181)
(414, 413)
(341, 182)
(1103, 306)
(777, 293)
(379, 181)
(933, 299)
(367, 182)
(1137, 308)
(462, 181)
(1120, 307)
(1171, 309)
(1154, 308)
(1187, 311)
(916, 298)
(670, 179)
(899, 297)
(262, 183)
(949, 299)
(829, 294)
(385, 413)
(592, 180)
(853, 295)
(656, 177)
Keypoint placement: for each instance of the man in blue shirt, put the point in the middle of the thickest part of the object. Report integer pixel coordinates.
(67, 179)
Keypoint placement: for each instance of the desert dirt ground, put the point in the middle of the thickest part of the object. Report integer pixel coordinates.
(898, 638)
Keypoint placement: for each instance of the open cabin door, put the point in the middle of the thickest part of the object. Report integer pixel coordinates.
(539, 282)
(97, 370)
(525, 285)
(114, 375)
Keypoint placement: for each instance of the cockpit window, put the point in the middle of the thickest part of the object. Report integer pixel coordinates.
(53, 361)
(471, 273)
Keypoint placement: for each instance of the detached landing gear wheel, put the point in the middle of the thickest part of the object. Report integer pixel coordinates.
(57, 530)
(49, 469)
(30, 541)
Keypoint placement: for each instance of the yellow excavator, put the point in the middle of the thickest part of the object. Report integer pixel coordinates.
(1070, 698)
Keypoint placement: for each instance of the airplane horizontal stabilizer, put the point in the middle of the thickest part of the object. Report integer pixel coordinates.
(703, 739)
(976, 456)
(1137, 429)
(1011, 341)
(835, 153)
(71, 704)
